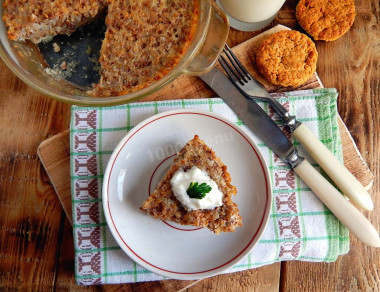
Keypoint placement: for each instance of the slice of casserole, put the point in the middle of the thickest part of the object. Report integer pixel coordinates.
(163, 204)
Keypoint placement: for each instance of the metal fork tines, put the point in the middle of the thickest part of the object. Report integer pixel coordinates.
(250, 87)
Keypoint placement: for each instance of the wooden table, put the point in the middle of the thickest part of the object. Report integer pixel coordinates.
(36, 245)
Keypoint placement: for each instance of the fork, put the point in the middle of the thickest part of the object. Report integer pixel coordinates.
(252, 89)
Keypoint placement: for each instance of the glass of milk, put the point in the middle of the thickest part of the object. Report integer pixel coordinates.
(250, 15)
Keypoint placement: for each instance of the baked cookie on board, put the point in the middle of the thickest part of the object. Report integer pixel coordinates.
(287, 58)
(326, 20)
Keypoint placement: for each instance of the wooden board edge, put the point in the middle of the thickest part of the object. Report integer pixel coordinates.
(42, 150)
(352, 153)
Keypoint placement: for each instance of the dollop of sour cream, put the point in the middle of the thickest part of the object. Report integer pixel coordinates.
(180, 183)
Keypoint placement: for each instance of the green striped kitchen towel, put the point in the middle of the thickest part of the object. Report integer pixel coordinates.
(300, 226)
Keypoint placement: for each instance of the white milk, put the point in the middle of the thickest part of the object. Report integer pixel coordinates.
(252, 10)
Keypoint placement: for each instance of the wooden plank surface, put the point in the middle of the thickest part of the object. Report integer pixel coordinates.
(36, 247)
(55, 152)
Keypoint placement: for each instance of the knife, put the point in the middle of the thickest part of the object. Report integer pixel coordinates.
(255, 118)
(347, 183)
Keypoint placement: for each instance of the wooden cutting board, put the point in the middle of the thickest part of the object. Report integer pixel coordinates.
(54, 152)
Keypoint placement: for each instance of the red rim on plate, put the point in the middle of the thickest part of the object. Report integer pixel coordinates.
(240, 132)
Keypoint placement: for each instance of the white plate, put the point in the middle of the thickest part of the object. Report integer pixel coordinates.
(138, 163)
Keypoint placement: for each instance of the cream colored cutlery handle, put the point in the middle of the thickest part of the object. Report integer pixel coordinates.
(349, 185)
(338, 204)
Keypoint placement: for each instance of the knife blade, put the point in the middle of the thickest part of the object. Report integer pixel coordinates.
(256, 119)
(250, 113)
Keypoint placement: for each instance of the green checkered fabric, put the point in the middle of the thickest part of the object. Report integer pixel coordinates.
(300, 226)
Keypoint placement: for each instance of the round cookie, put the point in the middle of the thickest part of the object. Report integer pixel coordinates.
(287, 58)
(325, 19)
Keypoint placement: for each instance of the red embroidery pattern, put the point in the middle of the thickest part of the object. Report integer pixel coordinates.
(88, 264)
(85, 119)
(290, 227)
(88, 237)
(84, 142)
(87, 214)
(289, 250)
(86, 189)
(85, 165)
(286, 203)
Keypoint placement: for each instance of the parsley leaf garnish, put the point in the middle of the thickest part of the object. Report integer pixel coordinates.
(198, 191)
